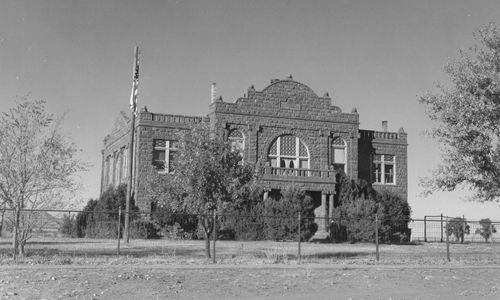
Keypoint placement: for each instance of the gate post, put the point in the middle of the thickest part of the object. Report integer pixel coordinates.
(425, 229)
(441, 227)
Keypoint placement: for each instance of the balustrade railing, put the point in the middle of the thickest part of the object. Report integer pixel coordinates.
(296, 172)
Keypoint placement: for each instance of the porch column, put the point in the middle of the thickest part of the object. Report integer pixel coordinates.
(324, 215)
(330, 207)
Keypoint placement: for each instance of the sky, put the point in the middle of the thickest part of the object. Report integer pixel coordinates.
(377, 56)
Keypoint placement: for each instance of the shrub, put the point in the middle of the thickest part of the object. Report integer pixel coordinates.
(396, 215)
(102, 230)
(99, 218)
(144, 229)
(282, 223)
(360, 221)
(174, 225)
(487, 229)
(458, 227)
(69, 226)
(82, 217)
(359, 205)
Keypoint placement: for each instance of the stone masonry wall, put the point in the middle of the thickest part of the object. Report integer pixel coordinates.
(115, 156)
(283, 107)
(289, 107)
(153, 126)
(375, 142)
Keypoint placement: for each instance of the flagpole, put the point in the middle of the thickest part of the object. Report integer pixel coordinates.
(133, 107)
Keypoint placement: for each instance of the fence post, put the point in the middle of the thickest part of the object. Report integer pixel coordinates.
(425, 229)
(119, 227)
(447, 242)
(376, 239)
(215, 235)
(299, 250)
(462, 238)
(441, 227)
(491, 233)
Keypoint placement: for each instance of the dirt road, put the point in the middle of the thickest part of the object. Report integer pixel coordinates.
(248, 282)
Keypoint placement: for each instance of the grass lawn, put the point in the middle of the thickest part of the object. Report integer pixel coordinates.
(102, 251)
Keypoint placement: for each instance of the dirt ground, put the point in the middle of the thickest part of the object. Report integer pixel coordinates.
(248, 282)
(166, 269)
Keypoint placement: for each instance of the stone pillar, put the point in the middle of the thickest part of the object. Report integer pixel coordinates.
(324, 221)
(103, 166)
(330, 206)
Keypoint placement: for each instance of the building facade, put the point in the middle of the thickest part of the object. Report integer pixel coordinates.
(299, 137)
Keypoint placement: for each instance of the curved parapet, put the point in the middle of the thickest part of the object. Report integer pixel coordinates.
(285, 98)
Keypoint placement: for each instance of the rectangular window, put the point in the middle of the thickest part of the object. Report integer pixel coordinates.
(384, 168)
(377, 172)
(163, 155)
(338, 156)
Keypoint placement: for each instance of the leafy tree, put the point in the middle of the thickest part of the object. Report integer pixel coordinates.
(487, 229)
(37, 164)
(458, 227)
(208, 175)
(468, 116)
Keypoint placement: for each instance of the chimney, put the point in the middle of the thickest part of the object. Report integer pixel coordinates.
(384, 126)
(212, 93)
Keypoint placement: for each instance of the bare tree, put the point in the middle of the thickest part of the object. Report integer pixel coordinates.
(37, 164)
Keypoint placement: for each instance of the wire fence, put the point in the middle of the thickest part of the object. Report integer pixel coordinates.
(183, 238)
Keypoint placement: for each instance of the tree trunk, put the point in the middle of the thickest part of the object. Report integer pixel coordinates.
(15, 235)
(207, 245)
(208, 231)
(22, 240)
(1, 221)
(21, 251)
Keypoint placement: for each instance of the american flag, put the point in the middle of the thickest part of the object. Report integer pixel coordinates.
(135, 81)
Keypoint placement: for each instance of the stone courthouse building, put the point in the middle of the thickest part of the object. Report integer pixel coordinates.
(300, 138)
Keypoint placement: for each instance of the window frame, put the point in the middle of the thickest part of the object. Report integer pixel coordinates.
(382, 173)
(168, 149)
(235, 140)
(288, 159)
(332, 152)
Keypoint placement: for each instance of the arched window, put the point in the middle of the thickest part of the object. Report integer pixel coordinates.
(237, 140)
(338, 154)
(288, 151)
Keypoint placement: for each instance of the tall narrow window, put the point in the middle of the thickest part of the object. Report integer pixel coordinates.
(288, 151)
(384, 168)
(125, 164)
(338, 154)
(107, 170)
(164, 155)
(237, 140)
